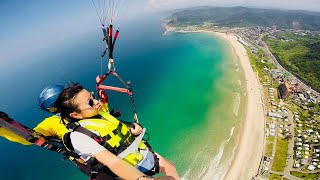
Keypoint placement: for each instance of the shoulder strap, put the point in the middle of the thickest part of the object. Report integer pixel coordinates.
(74, 126)
(67, 141)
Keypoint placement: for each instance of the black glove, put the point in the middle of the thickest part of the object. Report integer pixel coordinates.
(115, 114)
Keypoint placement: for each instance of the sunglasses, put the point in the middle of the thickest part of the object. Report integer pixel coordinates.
(91, 100)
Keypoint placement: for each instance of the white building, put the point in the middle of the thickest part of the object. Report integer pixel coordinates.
(311, 167)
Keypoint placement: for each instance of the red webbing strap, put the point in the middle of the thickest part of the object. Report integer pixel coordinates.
(19, 126)
(18, 129)
(119, 78)
(100, 80)
(115, 38)
(103, 95)
(15, 127)
(116, 35)
(100, 87)
(31, 136)
(117, 89)
(39, 142)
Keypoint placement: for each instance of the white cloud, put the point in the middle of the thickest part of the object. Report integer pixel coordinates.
(159, 5)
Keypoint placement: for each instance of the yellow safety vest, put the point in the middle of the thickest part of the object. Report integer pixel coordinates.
(116, 136)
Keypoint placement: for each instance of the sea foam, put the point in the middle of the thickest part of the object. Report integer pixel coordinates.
(236, 104)
(214, 169)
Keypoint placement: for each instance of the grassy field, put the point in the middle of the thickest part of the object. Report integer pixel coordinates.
(281, 155)
(269, 147)
(277, 177)
(308, 176)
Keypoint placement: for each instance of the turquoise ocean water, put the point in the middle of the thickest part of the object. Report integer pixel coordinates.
(188, 90)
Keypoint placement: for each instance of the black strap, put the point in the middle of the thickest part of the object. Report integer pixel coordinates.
(74, 126)
(67, 141)
(94, 175)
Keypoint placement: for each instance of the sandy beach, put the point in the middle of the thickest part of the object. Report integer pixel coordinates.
(250, 141)
(249, 150)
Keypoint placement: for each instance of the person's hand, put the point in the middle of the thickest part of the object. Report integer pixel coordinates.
(136, 130)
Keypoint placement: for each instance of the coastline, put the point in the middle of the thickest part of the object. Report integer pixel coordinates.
(249, 150)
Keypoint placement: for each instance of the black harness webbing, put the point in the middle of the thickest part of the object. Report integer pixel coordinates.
(74, 126)
(95, 165)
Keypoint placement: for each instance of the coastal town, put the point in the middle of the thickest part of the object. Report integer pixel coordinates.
(291, 144)
(291, 121)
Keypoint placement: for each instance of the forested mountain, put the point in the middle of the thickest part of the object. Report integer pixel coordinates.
(244, 17)
(300, 55)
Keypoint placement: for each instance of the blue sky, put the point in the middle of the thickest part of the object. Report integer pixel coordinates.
(28, 27)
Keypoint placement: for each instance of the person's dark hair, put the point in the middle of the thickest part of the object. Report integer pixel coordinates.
(65, 103)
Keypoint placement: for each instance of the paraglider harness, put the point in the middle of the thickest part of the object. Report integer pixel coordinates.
(91, 167)
(126, 89)
(96, 167)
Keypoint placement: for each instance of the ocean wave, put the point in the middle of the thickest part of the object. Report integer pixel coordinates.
(236, 104)
(218, 170)
(231, 133)
(214, 169)
(193, 172)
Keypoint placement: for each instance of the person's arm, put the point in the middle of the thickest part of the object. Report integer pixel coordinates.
(119, 167)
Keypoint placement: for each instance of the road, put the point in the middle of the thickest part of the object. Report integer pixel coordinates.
(290, 161)
(266, 50)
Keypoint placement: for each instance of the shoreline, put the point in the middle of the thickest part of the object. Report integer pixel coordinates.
(246, 160)
(249, 149)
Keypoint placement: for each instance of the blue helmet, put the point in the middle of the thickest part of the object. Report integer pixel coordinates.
(48, 97)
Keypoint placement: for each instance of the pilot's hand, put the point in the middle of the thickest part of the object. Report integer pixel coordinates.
(136, 130)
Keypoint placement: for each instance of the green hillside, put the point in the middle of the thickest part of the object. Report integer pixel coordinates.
(244, 17)
(298, 54)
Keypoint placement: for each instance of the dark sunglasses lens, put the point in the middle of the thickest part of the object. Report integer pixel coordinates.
(91, 103)
(93, 96)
